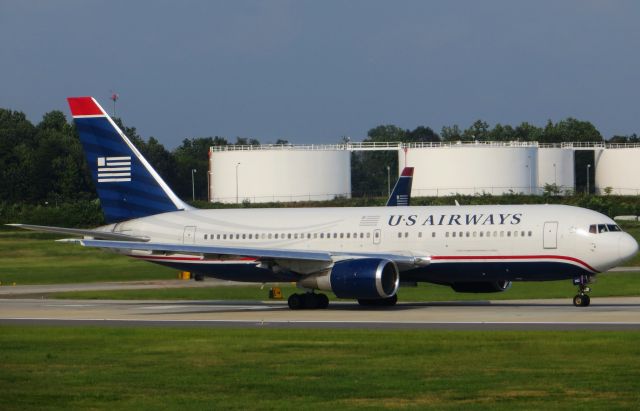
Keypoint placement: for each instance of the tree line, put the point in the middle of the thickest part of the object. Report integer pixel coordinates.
(44, 164)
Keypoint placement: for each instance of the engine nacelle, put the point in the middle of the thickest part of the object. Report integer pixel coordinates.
(482, 286)
(365, 278)
(362, 278)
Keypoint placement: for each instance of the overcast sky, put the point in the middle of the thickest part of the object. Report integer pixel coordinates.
(314, 71)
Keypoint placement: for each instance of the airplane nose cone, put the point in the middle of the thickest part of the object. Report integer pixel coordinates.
(627, 247)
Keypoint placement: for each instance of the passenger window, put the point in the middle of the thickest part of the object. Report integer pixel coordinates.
(453, 234)
(508, 233)
(481, 233)
(419, 234)
(406, 234)
(348, 235)
(433, 234)
(377, 234)
(205, 236)
(446, 234)
(399, 234)
(321, 235)
(467, 234)
(341, 235)
(530, 233)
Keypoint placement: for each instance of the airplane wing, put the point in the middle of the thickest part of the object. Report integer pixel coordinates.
(96, 234)
(294, 257)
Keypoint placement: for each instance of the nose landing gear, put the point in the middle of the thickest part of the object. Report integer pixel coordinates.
(582, 299)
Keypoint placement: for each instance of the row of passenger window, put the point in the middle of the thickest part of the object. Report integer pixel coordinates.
(501, 233)
(367, 235)
(288, 236)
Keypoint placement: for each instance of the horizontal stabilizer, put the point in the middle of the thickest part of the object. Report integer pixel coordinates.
(98, 235)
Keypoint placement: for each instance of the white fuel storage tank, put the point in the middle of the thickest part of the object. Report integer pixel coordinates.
(618, 170)
(556, 165)
(449, 169)
(261, 174)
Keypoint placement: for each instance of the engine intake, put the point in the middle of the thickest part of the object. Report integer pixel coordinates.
(365, 278)
(482, 286)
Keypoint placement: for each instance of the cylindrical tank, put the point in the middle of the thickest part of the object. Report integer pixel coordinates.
(471, 169)
(618, 171)
(556, 166)
(281, 173)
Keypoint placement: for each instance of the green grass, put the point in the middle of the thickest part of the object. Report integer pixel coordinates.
(612, 284)
(33, 258)
(197, 368)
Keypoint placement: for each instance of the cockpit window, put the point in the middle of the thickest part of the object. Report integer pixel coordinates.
(603, 228)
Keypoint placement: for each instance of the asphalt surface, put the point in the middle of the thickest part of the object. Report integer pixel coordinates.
(558, 314)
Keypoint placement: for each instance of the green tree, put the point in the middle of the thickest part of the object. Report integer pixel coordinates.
(451, 133)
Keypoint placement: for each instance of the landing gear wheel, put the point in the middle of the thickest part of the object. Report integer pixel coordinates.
(323, 301)
(198, 277)
(582, 299)
(295, 301)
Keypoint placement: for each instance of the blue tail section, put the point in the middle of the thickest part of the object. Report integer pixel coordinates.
(127, 185)
(401, 194)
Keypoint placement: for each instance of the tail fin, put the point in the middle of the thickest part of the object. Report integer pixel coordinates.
(401, 195)
(127, 185)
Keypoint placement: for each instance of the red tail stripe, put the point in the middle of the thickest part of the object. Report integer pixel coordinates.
(83, 106)
(514, 257)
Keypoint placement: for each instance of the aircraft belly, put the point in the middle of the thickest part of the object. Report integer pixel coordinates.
(444, 273)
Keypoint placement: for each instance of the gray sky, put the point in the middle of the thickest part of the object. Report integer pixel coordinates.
(313, 71)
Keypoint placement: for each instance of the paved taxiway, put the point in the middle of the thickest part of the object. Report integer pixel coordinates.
(603, 314)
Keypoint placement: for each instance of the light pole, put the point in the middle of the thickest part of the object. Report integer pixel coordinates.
(555, 181)
(193, 185)
(237, 182)
(529, 167)
(388, 181)
(588, 170)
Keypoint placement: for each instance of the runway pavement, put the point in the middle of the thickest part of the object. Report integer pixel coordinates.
(604, 314)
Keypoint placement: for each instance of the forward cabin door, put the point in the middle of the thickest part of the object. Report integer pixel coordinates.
(189, 236)
(550, 235)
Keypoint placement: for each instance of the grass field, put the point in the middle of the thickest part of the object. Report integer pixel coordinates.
(152, 368)
(611, 284)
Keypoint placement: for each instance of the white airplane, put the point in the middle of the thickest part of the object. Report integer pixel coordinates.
(356, 253)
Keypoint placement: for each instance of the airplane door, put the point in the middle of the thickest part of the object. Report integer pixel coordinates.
(189, 236)
(376, 236)
(550, 235)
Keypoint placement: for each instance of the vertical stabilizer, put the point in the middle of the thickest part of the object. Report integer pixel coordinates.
(401, 194)
(127, 185)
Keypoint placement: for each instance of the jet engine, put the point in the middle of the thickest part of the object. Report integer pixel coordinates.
(362, 278)
(482, 286)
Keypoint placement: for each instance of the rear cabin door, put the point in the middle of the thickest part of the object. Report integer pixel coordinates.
(189, 236)
(550, 235)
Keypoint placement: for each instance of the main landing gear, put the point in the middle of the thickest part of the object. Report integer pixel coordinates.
(309, 301)
(582, 299)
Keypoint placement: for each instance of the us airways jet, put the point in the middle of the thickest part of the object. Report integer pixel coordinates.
(356, 253)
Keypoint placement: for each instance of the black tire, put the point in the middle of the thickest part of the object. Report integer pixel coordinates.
(578, 300)
(391, 301)
(295, 301)
(323, 301)
(198, 277)
(310, 301)
(586, 300)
